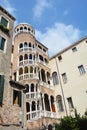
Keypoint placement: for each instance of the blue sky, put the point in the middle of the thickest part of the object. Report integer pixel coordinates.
(58, 23)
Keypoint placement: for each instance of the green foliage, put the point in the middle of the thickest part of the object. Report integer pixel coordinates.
(73, 123)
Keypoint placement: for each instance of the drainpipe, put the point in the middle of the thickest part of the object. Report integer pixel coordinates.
(61, 87)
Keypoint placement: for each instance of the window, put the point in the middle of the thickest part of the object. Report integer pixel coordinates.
(70, 102)
(64, 77)
(1, 88)
(17, 97)
(2, 43)
(81, 69)
(59, 103)
(39, 47)
(74, 49)
(60, 58)
(4, 22)
(55, 78)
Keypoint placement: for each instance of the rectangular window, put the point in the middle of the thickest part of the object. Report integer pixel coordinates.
(81, 69)
(74, 49)
(17, 97)
(4, 22)
(1, 88)
(70, 103)
(60, 58)
(64, 77)
(2, 43)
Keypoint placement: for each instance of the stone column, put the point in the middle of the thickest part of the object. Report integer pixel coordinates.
(50, 104)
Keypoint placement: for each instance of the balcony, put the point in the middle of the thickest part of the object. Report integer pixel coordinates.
(26, 62)
(38, 114)
(33, 95)
(26, 49)
(28, 76)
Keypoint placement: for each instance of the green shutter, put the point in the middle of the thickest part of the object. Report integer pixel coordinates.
(4, 22)
(19, 98)
(2, 43)
(1, 88)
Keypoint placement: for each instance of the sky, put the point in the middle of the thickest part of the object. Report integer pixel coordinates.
(57, 23)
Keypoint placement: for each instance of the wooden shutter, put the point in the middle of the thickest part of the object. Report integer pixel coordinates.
(1, 88)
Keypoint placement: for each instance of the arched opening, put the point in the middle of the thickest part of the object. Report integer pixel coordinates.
(55, 78)
(28, 110)
(25, 69)
(38, 105)
(46, 101)
(59, 103)
(20, 71)
(33, 106)
(21, 28)
(43, 75)
(20, 58)
(31, 69)
(20, 46)
(25, 57)
(32, 87)
(52, 104)
(25, 27)
(27, 107)
(41, 57)
(25, 44)
(30, 56)
(29, 44)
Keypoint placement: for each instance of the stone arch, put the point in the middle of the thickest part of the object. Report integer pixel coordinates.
(46, 101)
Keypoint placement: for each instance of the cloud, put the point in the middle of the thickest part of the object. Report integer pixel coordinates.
(40, 6)
(58, 37)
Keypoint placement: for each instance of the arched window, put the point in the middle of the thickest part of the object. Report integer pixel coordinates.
(46, 102)
(25, 27)
(29, 44)
(33, 106)
(21, 28)
(30, 56)
(31, 69)
(20, 71)
(26, 69)
(52, 104)
(40, 57)
(25, 57)
(20, 46)
(55, 78)
(32, 87)
(27, 107)
(20, 58)
(59, 103)
(43, 75)
(25, 44)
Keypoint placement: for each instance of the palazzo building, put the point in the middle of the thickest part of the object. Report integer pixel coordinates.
(35, 90)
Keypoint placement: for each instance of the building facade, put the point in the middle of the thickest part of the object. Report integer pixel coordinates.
(30, 68)
(69, 73)
(6, 31)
